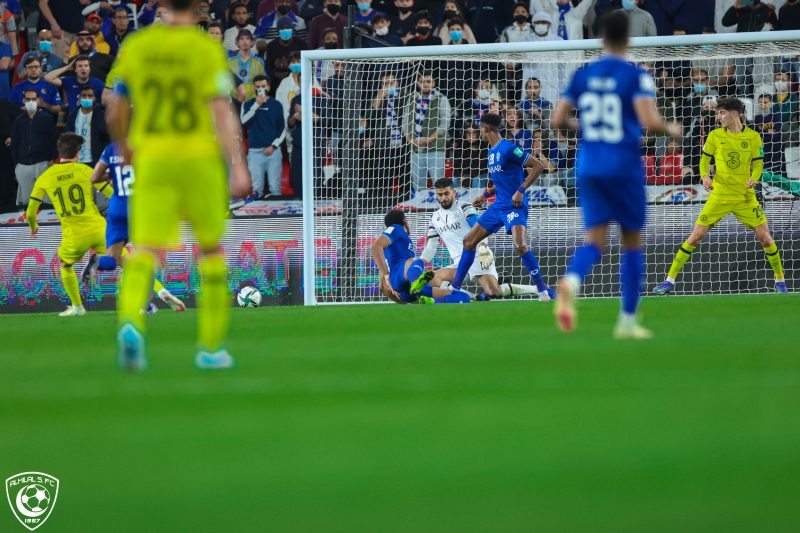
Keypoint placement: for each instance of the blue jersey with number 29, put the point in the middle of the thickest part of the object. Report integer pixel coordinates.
(121, 178)
(604, 92)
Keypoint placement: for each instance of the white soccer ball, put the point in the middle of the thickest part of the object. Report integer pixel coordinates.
(35, 498)
(248, 297)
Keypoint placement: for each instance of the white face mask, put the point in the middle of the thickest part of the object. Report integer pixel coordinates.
(382, 31)
(782, 86)
(31, 106)
(541, 29)
(483, 94)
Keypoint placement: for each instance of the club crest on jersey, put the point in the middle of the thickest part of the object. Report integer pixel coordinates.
(32, 497)
(745, 145)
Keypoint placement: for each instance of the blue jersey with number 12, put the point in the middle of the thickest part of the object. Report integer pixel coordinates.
(122, 179)
(610, 136)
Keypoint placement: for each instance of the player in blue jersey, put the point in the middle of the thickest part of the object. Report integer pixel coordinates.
(615, 99)
(403, 276)
(508, 165)
(111, 165)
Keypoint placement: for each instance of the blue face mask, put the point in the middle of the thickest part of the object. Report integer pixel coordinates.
(296, 67)
(285, 34)
(363, 6)
(86, 103)
(455, 36)
(628, 5)
(45, 46)
(700, 87)
(392, 91)
(361, 130)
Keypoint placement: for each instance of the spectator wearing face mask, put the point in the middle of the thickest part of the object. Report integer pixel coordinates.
(33, 144)
(331, 17)
(641, 22)
(521, 30)
(453, 11)
(71, 78)
(49, 100)
(65, 20)
(44, 54)
(567, 16)
(700, 92)
(290, 86)
(404, 24)
(279, 50)
(267, 28)
(264, 120)
(383, 33)
(89, 121)
(552, 76)
(424, 32)
(365, 12)
(785, 103)
(456, 33)
(484, 96)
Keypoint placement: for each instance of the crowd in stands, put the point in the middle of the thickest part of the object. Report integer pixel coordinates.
(56, 55)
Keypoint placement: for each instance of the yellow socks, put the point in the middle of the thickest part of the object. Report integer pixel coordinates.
(157, 285)
(70, 282)
(774, 258)
(683, 255)
(213, 303)
(135, 288)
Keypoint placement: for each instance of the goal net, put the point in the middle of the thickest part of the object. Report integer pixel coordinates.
(381, 125)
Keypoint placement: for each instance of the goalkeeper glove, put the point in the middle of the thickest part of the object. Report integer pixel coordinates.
(485, 257)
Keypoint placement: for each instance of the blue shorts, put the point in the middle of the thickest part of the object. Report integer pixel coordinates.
(497, 217)
(397, 277)
(116, 229)
(623, 200)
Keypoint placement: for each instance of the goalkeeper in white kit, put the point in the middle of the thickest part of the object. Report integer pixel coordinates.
(451, 222)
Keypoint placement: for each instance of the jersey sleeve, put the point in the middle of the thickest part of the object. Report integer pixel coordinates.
(518, 154)
(119, 75)
(572, 92)
(756, 148)
(218, 83)
(710, 147)
(392, 233)
(105, 157)
(645, 86)
(432, 233)
(469, 210)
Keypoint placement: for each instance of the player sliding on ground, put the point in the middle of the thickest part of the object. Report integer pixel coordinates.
(69, 187)
(403, 276)
(507, 166)
(451, 222)
(615, 100)
(182, 134)
(738, 154)
(111, 164)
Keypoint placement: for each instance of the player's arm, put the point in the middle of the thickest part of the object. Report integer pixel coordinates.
(104, 187)
(708, 151)
(99, 174)
(534, 169)
(563, 117)
(380, 260)
(33, 208)
(651, 120)
(118, 118)
(229, 134)
(431, 244)
(757, 159)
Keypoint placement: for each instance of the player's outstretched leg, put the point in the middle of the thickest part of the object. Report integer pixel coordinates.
(569, 286)
(438, 295)
(475, 235)
(417, 276)
(631, 279)
(70, 282)
(213, 309)
(519, 234)
(133, 296)
(682, 256)
(773, 256)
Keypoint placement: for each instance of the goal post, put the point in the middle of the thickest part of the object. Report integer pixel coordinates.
(380, 125)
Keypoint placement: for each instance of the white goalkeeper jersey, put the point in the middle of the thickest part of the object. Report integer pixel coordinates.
(451, 226)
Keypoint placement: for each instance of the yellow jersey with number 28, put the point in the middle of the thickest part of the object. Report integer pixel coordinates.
(170, 74)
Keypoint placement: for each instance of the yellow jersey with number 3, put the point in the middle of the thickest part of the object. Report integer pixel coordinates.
(170, 74)
(733, 154)
(70, 189)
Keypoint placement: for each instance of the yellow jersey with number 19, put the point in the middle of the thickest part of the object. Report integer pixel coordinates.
(170, 74)
(733, 154)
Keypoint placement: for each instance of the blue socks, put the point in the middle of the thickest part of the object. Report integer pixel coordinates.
(106, 263)
(584, 260)
(464, 264)
(427, 290)
(455, 297)
(532, 265)
(631, 274)
(415, 270)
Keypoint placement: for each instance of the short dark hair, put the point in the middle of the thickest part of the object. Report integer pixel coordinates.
(395, 216)
(731, 103)
(491, 120)
(83, 88)
(455, 21)
(294, 56)
(181, 5)
(26, 91)
(616, 28)
(69, 144)
(378, 17)
(30, 60)
(82, 57)
(216, 24)
(423, 15)
(261, 77)
(442, 183)
(237, 5)
(764, 95)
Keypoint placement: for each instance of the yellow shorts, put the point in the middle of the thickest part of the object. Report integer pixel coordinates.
(748, 212)
(168, 191)
(73, 247)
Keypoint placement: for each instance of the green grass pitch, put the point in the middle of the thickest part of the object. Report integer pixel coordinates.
(479, 418)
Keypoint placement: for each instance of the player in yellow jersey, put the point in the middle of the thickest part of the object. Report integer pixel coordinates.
(69, 187)
(182, 134)
(738, 154)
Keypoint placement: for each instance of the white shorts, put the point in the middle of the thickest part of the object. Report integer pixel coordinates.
(476, 270)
